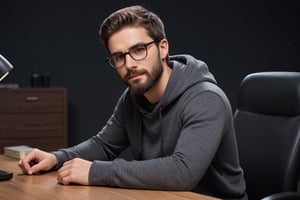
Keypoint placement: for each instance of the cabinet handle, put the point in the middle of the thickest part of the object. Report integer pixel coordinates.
(34, 125)
(32, 98)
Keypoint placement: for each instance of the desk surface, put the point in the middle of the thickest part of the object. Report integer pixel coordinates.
(45, 187)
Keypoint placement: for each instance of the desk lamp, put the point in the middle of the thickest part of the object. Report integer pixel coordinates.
(5, 68)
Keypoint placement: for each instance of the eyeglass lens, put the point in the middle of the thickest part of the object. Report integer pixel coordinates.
(136, 52)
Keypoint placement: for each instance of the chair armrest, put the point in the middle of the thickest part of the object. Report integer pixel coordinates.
(283, 196)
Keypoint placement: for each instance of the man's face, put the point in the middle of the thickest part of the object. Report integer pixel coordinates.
(139, 75)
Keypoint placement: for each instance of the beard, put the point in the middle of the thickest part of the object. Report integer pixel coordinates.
(151, 78)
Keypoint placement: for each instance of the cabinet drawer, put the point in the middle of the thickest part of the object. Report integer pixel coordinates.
(35, 117)
(37, 100)
(32, 126)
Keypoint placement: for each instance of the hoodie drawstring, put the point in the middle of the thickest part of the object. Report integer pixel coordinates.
(161, 133)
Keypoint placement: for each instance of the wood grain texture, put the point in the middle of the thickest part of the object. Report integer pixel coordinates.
(45, 186)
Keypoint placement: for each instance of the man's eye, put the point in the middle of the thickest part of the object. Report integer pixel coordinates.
(118, 57)
(138, 50)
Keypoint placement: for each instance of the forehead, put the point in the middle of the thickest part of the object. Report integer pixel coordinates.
(127, 37)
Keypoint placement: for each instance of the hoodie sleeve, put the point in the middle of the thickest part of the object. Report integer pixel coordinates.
(106, 145)
(204, 116)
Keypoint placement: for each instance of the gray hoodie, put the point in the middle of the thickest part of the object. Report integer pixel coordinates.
(185, 142)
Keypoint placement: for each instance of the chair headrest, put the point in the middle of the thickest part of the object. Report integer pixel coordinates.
(271, 93)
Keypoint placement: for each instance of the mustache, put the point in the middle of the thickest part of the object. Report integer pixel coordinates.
(131, 73)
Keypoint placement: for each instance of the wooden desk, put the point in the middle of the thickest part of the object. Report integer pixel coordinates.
(45, 187)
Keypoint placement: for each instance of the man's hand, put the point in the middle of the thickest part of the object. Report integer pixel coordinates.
(37, 161)
(74, 171)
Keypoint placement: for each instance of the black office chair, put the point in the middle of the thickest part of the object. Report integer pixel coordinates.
(267, 122)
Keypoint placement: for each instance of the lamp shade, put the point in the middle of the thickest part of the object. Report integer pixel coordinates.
(5, 67)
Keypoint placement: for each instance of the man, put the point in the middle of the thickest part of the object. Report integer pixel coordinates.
(173, 117)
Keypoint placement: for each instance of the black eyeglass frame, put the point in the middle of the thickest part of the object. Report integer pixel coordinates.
(109, 59)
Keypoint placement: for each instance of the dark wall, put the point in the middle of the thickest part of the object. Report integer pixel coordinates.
(61, 38)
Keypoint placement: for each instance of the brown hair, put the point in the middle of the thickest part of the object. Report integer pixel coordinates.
(132, 16)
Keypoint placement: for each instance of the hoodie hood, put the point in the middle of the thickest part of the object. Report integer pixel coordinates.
(186, 72)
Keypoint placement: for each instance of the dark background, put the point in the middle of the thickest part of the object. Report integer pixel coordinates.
(61, 38)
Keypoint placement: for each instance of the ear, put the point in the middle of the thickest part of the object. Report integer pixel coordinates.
(163, 48)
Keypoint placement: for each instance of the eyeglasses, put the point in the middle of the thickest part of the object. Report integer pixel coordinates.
(137, 52)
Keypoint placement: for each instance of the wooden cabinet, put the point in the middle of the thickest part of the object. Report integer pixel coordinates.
(36, 117)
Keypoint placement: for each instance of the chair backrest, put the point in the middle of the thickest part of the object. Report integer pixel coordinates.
(267, 123)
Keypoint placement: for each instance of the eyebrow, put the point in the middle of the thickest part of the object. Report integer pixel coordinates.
(135, 45)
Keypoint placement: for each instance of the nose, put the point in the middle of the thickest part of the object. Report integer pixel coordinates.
(129, 61)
